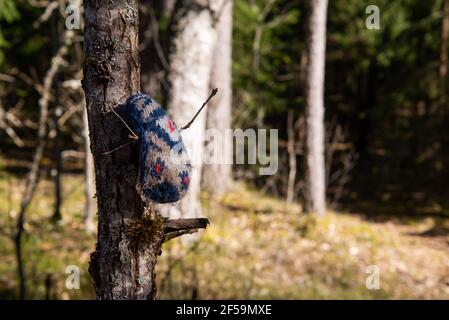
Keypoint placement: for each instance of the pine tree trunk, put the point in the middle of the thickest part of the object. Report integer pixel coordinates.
(121, 267)
(190, 59)
(219, 109)
(315, 193)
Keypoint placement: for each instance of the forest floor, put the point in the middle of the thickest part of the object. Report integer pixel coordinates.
(256, 247)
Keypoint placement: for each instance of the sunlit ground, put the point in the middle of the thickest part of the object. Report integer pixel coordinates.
(255, 247)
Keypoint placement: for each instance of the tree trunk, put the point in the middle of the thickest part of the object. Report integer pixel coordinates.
(190, 60)
(444, 33)
(219, 109)
(291, 156)
(122, 267)
(89, 187)
(33, 175)
(56, 172)
(58, 160)
(315, 193)
(130, 231)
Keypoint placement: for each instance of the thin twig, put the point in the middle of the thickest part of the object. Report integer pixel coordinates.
(213, 93)
(123, 145)
(9, 129)
(157, 43)
(134, 136)
(47, 14)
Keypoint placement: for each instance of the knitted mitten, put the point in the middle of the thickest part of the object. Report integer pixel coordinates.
(164, 166)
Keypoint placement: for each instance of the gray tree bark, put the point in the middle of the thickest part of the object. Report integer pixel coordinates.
(291, 157)
(130, 230)
(315, 193)
(190, 61)
(219, 109)
(122, 267)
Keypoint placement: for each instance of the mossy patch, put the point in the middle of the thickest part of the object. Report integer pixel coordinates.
(145, 230)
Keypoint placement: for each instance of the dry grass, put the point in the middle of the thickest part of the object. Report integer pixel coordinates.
(256, 247)
(282, 254)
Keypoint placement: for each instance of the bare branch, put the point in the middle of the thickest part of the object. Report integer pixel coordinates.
(8, 129)
(213, 93)
(185, 224)
(6, 77)
(47, 14)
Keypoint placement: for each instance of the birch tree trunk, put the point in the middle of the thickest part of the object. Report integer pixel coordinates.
(190, 61)
(120, 267)
(315, 193)
(89, 174)
(219, 109)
